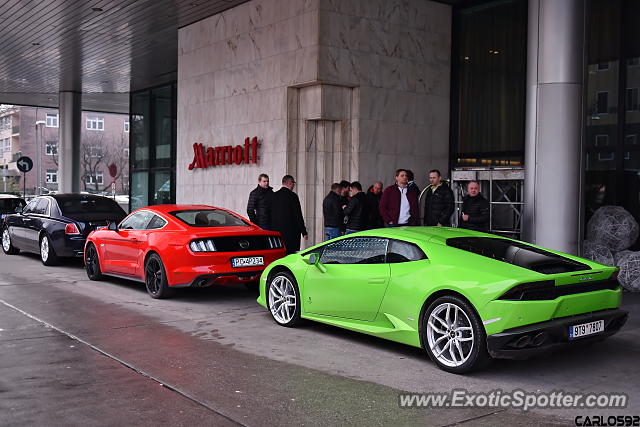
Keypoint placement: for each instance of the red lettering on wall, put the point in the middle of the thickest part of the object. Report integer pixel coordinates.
(205, 157)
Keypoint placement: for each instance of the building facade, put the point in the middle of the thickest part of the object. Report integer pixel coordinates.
(331, 90)
(34, 132)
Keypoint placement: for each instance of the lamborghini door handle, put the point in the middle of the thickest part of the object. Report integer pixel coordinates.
(378, 280)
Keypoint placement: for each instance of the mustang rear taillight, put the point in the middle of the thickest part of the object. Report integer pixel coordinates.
(275, 242)
(202, 245)
(71, 228)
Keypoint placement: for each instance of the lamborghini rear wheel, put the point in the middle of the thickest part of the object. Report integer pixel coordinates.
(453, 335)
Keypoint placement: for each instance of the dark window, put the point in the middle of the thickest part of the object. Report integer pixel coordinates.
(602, 103)
(153, 146)
(489, 84)
(42, 207)
(155, 223)
(517, 253)
(356, 250)
(30, 206)
(209, 218)
(403, 252)
(10, 205)
(632, 99)
(612, 175)
(136, 221)
(73, 207)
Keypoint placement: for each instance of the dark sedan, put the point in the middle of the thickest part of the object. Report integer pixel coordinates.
(57, 226)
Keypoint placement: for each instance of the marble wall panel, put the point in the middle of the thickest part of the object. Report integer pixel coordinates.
(374, 73)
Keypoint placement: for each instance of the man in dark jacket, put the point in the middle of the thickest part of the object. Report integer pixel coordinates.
(439, 201)
(357, 211)
(411, 184)
(332, 212)
(286, 215)
(475, 209)
(399, 204)
(373, 199)
(259, 202)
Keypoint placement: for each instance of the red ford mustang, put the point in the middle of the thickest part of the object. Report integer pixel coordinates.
(173, 246)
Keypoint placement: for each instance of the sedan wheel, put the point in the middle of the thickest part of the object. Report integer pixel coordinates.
(453, 335)
(7, 246)
(284, 299)
(47, 254)
(155, 278)
(92, 263)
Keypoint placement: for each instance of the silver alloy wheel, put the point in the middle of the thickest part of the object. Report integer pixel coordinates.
(450, 334)
(6, 240)
(44, 248)
(282, 299)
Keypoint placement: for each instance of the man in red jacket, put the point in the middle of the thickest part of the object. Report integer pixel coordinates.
(399, 203)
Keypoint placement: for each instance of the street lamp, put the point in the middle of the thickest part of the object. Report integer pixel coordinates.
(39, 125)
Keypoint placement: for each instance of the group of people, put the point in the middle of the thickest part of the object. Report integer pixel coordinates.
(348, 209)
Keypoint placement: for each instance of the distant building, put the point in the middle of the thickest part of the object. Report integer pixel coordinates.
(104, 141)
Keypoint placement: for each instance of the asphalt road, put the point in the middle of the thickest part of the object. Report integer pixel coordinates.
(76, 352)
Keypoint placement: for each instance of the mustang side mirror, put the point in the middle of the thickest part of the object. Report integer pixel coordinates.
(113, 226)
(314, 259)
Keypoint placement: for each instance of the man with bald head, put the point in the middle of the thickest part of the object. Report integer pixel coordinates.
(374, 194)
(474, 214)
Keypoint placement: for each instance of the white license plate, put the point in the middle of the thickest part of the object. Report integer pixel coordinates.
(250, 261)
(585, 329)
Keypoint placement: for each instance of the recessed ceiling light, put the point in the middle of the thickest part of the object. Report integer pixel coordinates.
(35, 44)
(97, 9)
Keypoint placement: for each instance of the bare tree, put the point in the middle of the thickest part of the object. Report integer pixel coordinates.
(118, 154)
(93, 159)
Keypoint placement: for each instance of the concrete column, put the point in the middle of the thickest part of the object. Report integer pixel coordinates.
(553, 141)
(69, 142)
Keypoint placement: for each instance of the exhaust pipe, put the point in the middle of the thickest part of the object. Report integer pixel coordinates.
(540, 339)
(523, 341)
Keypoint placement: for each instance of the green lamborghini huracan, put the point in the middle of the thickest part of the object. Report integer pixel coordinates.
(465, 297)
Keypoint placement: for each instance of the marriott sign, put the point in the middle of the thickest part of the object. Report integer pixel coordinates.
(204, 157)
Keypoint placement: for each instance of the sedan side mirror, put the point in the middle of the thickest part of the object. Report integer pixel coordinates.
(18, 209)
(113, 226)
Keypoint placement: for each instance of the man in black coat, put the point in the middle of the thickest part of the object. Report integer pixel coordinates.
(373, 199)
(259, 202)
(286, 215)
(475, 209)
(357, 211)
(332, 212)
(439, 203)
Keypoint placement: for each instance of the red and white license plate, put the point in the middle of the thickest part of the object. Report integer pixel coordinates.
(585, 329)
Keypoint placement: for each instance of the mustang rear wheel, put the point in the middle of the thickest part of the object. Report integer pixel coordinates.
(283, 299)
(92, 263)
(155, 278)
(7, 246)
(453, 335)
(47, 254)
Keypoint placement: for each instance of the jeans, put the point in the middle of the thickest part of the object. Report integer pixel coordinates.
(331, 233)
(349, 231)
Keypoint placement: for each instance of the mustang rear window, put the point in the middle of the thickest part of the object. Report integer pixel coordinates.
(517, 253)
(208, 218)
